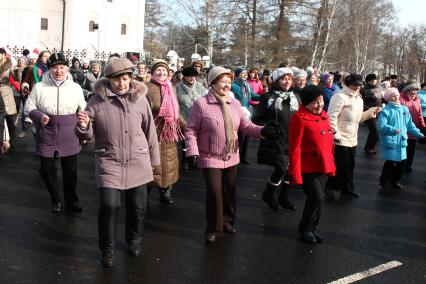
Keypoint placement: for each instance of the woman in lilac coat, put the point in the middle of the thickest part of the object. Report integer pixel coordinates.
(120, 118)
(212, 144)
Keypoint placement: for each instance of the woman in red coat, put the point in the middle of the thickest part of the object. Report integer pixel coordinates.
(311, 157)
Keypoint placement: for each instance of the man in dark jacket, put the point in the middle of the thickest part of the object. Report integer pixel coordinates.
(52, 107)
(372, 97)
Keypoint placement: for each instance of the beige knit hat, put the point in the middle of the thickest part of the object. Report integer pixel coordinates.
(159, 62)
(118, 66)
(216, 72)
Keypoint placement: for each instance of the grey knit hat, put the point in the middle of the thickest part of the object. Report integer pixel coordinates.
(118, 66)
(95, 62)
(411, 85)
(216, 72)
(300, 74)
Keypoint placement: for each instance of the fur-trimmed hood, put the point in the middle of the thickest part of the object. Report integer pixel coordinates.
(6, 66)
(136, 91)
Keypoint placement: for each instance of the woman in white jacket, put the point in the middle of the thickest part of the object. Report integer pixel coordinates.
(345, 113)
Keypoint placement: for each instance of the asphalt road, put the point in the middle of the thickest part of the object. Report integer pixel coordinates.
(38, 246)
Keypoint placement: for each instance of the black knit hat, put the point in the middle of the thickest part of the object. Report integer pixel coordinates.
(353, 79)
(370, 77)
(189, 72)
(393, 76)
(310, 93)
(55, 59)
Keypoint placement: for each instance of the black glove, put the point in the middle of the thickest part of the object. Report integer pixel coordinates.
(192, 161)
(270, 130)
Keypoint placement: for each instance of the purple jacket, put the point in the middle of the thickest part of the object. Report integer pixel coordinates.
(60, 103)
(126, 144)
(205, 132)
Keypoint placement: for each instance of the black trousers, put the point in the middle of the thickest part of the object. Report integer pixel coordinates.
(23, 124)
(344, 158)
(277, 175)
(49, 173)
(243, 144)
(313, 186)
(10, 120)
(110, 201)
(373, 134)
(392, 172)
(411, 149)
(17, 103)
(220, 198)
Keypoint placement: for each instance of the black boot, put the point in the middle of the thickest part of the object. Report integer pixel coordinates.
(165, 196)
(270, 195)
(107, 259)
(283, 199)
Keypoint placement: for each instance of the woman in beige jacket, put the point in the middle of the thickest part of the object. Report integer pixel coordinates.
(169, 123)
(345, 113)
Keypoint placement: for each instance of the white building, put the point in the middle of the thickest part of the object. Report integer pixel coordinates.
(90, 25)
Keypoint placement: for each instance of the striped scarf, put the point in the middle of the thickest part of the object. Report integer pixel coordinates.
(229, 125)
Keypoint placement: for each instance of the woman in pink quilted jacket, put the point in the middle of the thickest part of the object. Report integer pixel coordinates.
(409, 98)
(212, 144)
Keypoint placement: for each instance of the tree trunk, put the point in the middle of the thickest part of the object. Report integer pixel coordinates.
(253, 34)
(279, 35)
(318, 32)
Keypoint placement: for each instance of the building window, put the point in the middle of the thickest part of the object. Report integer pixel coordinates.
(91, 26)
(123, 29)
(44, 24)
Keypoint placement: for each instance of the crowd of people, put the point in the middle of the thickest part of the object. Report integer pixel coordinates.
(145, 126)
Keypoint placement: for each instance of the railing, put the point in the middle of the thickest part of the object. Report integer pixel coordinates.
(80, 54)
(69, 54)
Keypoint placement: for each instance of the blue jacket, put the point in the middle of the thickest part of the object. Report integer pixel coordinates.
(393, 146)
(238, 89)
(328, 93)
(422, 97)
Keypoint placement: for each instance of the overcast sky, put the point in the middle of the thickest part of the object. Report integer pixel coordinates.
(410, 11)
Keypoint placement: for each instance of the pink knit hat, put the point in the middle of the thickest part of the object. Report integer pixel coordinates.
(390, 92)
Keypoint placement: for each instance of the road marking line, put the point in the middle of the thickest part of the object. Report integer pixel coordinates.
(367, 273)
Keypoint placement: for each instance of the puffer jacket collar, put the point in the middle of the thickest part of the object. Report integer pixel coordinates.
(135, 93)
(47, 79)
(349, 92)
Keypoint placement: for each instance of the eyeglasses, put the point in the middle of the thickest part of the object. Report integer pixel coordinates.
(413, 90)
